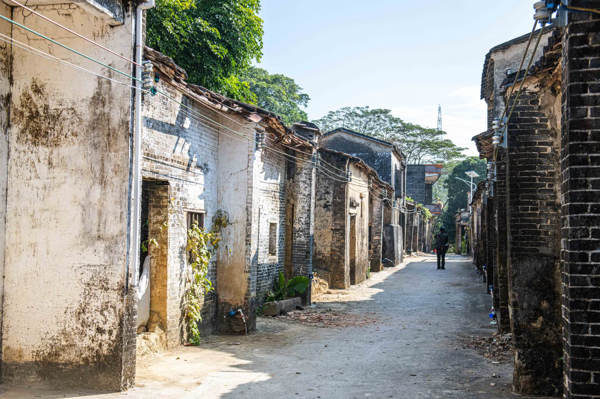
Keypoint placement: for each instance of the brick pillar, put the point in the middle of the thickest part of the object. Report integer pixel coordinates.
(490, 241)
(580, 162)
(534, 246)
(376, 224)
(483, 260)
(501, 292)
(302, 186)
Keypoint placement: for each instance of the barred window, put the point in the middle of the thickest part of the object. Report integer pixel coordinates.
(195, 218)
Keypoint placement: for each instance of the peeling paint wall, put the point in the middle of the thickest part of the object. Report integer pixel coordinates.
(234, 174)
(5, 94)
(501, 62)
(68, 186)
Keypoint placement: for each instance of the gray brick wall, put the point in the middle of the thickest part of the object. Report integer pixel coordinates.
(415, 183)
(501, 279)
(580, 173)
(534, 234)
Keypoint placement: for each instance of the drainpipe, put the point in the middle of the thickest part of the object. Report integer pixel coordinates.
(137, 166)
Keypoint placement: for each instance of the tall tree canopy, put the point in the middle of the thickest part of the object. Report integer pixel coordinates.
(458, 190)
(419, 144)
(213, 40)
(277, 93)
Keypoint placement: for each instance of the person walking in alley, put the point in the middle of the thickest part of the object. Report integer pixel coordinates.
(441, 246)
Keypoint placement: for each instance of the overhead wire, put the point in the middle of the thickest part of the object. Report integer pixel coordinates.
(526, 72)
(132, 77)
(73, 32)
(580, 9)
(114, 69)
(68, 48)
(25, 47)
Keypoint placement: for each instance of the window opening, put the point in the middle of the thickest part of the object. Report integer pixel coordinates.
(272, 239)
(195, 218)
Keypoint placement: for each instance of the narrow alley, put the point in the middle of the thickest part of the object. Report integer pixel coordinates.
(415, 325)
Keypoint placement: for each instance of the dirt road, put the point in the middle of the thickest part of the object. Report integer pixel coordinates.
(402, 334)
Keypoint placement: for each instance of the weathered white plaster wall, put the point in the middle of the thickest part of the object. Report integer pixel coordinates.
(358, 193)
(236, 158)
(510, 58)
(68, 188)
(5, 73)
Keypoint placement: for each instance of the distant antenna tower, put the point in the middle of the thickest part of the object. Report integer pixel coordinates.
(439, 118)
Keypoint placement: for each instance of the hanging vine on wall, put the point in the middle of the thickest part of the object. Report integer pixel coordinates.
(201, 246)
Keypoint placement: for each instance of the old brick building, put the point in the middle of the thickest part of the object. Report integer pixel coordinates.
(535, 218)
(205, 154)
(389, 163)
(349, 216)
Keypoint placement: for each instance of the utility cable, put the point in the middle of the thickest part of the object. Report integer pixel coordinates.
(504, 131)
(116, 70)
(68, 48)
(523, 80)
(580, 9)
(73, 32)
(125, 74)
(521, 64)
(53, 58)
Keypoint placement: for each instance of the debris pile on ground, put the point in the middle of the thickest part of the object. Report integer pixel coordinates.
(327, 318)
(318, 287)
(498, 347)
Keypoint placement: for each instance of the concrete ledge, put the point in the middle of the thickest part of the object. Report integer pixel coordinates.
(281, 307)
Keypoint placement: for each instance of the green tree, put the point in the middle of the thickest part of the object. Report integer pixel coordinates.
(213, 40)
(277, 93)
(419, 144)
(458, 190)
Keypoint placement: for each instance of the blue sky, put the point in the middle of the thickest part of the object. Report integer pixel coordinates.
(407, 56)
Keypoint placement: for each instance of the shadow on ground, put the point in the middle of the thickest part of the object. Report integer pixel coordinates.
(413, 350)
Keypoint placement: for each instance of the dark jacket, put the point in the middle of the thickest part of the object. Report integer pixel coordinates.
(441, 241)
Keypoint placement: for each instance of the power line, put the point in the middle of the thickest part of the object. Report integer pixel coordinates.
(68, 48)
(56, 59)
(66, 63)
(73, 32)
(526, 72)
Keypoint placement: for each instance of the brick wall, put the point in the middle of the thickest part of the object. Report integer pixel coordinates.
(270, 198)
(180, 149)
(415, 183)
(330, 258)
(580, 167)
(501, 283)
(300, 216)
(490, 214)
(534, 236)
(376, 226)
